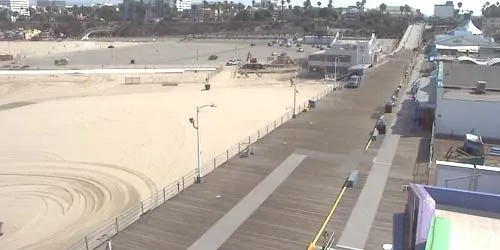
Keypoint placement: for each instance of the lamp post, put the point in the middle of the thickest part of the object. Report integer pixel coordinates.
(196, 125)
(295, 91)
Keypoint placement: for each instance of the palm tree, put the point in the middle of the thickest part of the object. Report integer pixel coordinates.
(319, 4)
(307, 4)
(330, 3)
(407, 9)
(382, 7)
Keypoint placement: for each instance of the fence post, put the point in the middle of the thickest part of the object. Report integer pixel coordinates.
(227, 155)
(239, 148)
(215, 163)
(183, 186)
(86, 243)
(116, 224)
(258, 134)
(142, 208)
(274, 124)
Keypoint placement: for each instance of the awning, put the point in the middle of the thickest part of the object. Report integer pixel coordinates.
(459, 48)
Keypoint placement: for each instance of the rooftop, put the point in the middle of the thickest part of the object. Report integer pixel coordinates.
(471, 228)
(466, 75)
(463, 40)
(473, 220)
(443, 144)
(426, 91)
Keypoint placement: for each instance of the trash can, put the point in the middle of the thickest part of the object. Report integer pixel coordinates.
(381, 127)
(132, 61)
(388, 107)
(312, 104)
(207, 86)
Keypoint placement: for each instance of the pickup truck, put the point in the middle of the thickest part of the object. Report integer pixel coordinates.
(353, 82)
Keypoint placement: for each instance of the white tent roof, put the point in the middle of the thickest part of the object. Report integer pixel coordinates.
(472, 28)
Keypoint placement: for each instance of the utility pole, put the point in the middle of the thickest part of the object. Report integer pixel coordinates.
(198, 56)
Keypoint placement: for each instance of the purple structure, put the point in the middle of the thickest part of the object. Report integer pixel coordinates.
(421, 208)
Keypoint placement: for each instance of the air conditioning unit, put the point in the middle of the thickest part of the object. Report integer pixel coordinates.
(481, 87)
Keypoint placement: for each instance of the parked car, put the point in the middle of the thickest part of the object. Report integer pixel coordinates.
(232, 63)
(212, 57)
(252, 44)
(274, 54)
(353, 82)
(300, 50)
(111, 47)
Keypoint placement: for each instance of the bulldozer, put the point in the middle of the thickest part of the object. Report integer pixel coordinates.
(250, 58)
(61, 62)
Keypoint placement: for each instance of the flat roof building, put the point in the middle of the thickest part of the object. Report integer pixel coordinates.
(442, 219)
(468, 100)
(19, 6)
(446, 10)
(343, 54)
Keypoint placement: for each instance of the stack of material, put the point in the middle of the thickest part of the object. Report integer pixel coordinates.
(494, 151)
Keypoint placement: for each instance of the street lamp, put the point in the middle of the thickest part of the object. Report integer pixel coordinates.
(196, 125)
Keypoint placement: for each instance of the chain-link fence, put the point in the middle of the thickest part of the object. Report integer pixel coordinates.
(111, 228)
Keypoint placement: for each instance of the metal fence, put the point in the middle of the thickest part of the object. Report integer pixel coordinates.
(111, 228)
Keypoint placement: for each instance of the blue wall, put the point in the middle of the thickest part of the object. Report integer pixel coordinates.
(465, 199)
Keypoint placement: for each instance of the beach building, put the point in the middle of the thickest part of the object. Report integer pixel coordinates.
(468, 99)
(446, 10)
(19, 6)
(464, 40)
(343, 54)
(441, 218)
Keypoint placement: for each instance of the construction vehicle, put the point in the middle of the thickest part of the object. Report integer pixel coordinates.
(61, 62)
(6, 57)
(250, 58)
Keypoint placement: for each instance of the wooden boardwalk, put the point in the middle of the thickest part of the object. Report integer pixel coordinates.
(332, 136)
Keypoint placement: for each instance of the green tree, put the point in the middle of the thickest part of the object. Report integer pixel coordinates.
(330, 3)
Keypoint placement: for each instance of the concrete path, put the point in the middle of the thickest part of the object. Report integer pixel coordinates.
(225, 227)
(358, 226)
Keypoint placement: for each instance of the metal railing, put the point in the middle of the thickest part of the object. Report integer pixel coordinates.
(112, 227)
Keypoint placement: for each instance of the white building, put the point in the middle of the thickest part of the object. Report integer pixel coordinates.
(19, 6)
(183, 5)
(460, 108)
(446, 10)
(343, 54)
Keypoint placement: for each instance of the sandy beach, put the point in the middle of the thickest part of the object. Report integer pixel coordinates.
(79, 150)
(47, 48)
